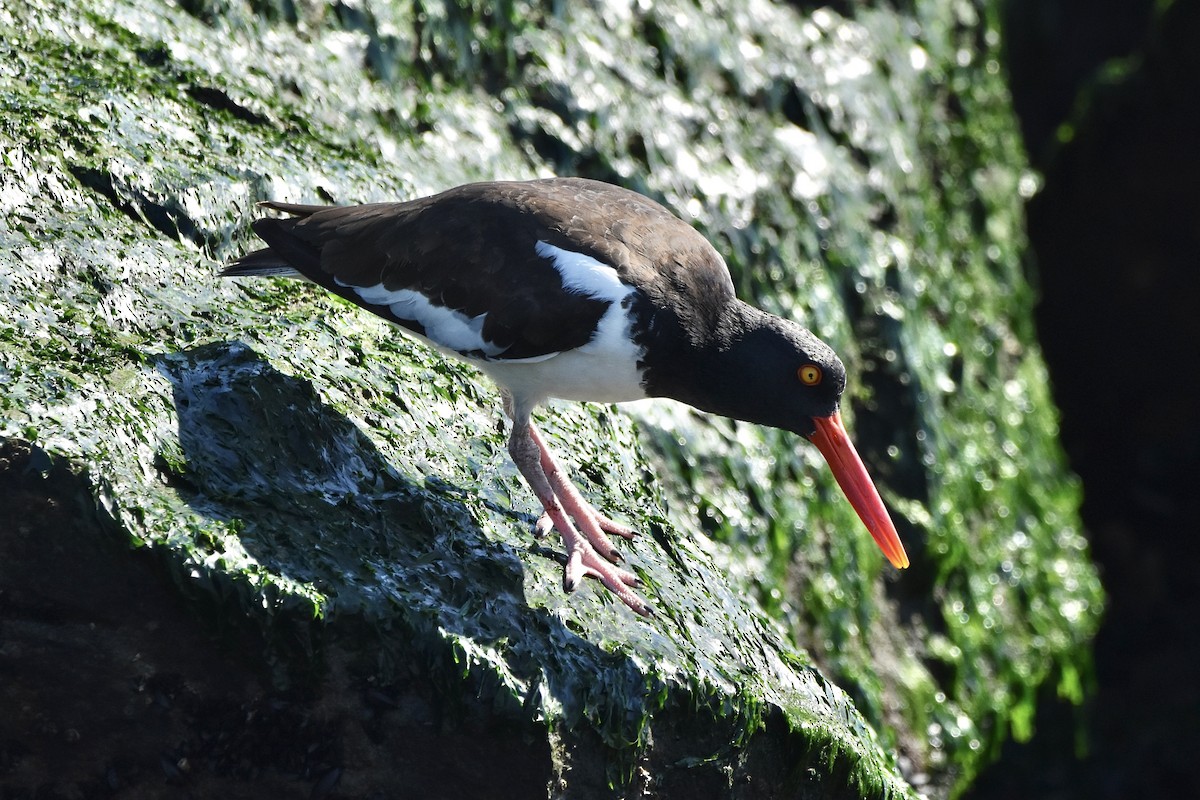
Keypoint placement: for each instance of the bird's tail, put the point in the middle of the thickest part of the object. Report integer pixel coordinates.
(267, 262)
(260, 264)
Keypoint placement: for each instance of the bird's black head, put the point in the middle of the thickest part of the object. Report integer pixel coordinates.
(758, 368)
(786, 376)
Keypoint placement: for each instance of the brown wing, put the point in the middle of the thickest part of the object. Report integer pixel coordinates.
(472, 250)
(672, 265)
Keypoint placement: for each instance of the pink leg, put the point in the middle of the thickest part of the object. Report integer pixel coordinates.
(593, 524)
(562, 502)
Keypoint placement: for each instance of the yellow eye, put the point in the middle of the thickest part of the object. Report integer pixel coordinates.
(809, 374)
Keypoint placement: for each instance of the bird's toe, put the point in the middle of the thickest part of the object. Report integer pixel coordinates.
(609, 525)
(616, 580)
(575, 570)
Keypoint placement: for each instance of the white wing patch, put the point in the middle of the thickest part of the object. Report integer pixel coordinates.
(585, 275)
(603, 370)
(445, 327)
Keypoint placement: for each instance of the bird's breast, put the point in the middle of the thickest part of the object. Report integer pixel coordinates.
(608, 369)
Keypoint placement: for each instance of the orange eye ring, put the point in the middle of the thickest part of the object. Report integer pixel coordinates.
(809, 374)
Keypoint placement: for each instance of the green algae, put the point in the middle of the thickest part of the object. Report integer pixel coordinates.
(825, 157)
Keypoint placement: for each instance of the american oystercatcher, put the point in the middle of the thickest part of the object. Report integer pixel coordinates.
(579, 290)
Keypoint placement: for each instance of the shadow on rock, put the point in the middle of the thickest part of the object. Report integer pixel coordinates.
(313, 500)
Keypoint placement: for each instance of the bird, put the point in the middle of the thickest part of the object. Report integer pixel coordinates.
(575, 289)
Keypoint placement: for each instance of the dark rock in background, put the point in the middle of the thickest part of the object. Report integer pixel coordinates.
(1109, 98)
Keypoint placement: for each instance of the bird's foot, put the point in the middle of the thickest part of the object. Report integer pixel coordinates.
(583, 560)
(590, 553)
(544, 525)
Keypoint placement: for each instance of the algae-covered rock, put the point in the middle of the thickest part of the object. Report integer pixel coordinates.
(316, 482)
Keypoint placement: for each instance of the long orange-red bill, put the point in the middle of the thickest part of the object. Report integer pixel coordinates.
(831, 439)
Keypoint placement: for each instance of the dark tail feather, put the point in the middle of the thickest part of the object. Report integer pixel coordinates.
(295, 209)
(260, 263)
(267, 262)
(285, 249)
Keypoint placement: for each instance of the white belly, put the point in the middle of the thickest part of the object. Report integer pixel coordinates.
(605, 370)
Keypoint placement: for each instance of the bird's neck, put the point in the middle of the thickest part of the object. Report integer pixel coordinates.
(696, 359)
